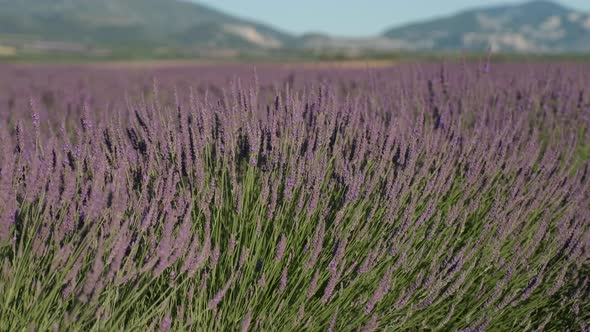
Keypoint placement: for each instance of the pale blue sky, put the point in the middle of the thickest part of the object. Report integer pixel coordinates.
(351, 17)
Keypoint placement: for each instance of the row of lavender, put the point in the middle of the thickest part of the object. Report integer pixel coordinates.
(416, 197)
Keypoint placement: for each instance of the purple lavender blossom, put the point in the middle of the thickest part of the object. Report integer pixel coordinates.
(281, 248)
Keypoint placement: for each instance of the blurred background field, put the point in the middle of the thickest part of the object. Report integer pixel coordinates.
(65, 31)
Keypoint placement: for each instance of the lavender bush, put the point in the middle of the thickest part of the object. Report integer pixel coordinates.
(430, 197)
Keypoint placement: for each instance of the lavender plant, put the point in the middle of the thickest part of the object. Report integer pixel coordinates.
(414, 198)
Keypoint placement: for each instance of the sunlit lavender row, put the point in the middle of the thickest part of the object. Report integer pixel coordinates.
(418, 197)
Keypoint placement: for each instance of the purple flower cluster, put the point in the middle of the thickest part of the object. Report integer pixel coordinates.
(401, 198)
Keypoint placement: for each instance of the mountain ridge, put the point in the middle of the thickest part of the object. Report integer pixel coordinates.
(533, 26)
(191, 28)
(132, 23)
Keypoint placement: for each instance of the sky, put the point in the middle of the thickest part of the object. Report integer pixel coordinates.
(355, 18)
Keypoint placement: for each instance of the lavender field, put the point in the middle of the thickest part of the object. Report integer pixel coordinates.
(436, 197)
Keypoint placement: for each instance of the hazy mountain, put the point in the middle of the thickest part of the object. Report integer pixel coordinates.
(130, 23)
(322, 43)
(152, 27)
(536, 26)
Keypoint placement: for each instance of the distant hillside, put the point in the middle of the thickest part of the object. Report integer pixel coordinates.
(149, 28)
(537, 26)
(106, 24)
